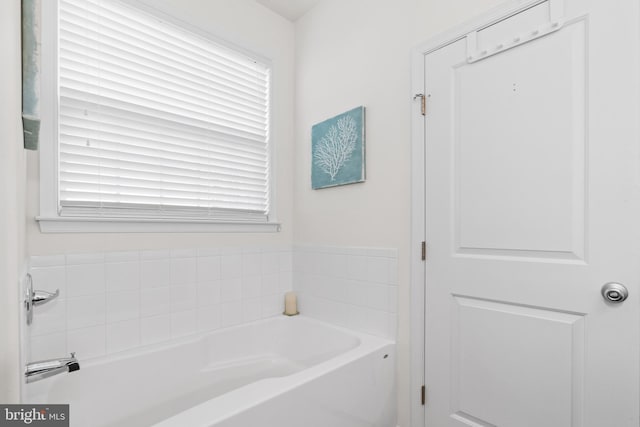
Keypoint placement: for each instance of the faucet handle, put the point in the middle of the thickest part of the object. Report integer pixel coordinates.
(42, 297)
(73, 354)
(35, 298)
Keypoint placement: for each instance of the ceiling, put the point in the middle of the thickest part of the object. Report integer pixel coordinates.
(290, 9)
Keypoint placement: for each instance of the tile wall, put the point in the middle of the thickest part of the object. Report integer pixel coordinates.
(115, 301)
(352, 287)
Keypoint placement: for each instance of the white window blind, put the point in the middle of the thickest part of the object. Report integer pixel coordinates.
(157, 121)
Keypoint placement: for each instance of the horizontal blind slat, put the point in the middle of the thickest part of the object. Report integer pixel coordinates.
(156, 119)
(200, 94)
(130, 20)
(73, 97)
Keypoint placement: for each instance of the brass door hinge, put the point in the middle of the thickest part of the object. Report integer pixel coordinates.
(424, 251)
(423, 395)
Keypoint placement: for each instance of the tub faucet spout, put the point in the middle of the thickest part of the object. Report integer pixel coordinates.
(36, 371)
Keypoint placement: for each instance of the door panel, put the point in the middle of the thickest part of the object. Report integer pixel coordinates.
(488, 349)
(531, 206)
(530, 146)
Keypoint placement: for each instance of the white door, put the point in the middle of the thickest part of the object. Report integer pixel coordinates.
(532, 184)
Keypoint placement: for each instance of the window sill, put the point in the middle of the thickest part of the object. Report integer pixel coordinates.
(121, 225)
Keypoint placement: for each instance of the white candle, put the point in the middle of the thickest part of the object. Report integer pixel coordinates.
(290, 304)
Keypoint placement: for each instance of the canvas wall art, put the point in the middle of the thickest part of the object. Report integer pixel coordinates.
(338, 149)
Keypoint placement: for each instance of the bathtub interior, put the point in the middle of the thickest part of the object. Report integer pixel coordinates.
(148, 385)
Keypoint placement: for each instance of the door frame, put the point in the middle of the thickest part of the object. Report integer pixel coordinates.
(418, 197)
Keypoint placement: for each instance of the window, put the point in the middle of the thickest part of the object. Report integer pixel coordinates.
(155, 122)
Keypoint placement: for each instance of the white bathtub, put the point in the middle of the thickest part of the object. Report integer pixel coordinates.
(283, 371)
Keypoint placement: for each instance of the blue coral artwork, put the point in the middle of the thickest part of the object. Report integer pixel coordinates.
(337, 150)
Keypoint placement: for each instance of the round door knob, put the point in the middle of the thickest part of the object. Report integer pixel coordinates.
(614, 292)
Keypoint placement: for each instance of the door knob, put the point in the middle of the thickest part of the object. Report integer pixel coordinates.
(614, 292)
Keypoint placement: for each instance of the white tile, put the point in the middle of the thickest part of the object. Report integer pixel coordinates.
(86, 311)
(378, 269)
(338, 289)
(122, 276)
(285, 261)
(87, 342)
(357, 267)
(208, 268)
(47, 261)
(286, 281)
(230, 266)
(230, 250)
(155, 254)
(49, 346)
(50, 279)
(270, 284)
(154, 302)
(208, 293)
(393, 298)
(377, 323)
(123, 335)
(85, 279)
(251, 287)
(251, 249)
(315, 262)
(230, 314)
(155, 273)
(358, 318)
(322, 287)
(377, 297)
(308, 305)
(356, 292)
(393, 271)
(85, 258)
(123, 306)
(183, 298)
(183, 323)
(251, 309)
(155, 329)
(206, 252)
(321, 263)
(270, 263)
(208, 318)
(315, 285)
(184, 253)
(304, 282)
(50, 317)
(392, 326)
(341, 314)
(272, 305)
(230, 290)
(125, 256)
(251, 264)
(183, 271)
(336, 265)
(358, 251)
(299, 262)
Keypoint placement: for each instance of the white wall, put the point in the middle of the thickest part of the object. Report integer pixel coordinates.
(357, 52)
(254, 28)
(12, 189)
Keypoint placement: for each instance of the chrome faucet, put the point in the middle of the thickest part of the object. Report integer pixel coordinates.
(36, 371)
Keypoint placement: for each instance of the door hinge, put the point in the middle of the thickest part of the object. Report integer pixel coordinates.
(424, 251)
(423, 395)
(423, 103)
